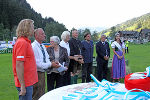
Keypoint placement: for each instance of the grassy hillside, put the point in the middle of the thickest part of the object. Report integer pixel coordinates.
(135, 24)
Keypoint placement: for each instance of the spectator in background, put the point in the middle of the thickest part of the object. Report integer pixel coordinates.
(127, 46)
(42, 62)
(87, 53)
(14, 41)
(118, 64)
(103, 55)
(23, 60)
(57, 54)
(75, 50)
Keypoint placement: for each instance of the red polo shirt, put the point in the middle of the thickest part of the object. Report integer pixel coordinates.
(22, 51)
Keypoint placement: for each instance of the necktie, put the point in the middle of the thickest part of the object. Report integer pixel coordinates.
(105, 48)
(43, 52)
(103, 43)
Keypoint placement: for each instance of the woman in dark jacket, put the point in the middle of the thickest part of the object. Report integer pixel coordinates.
(60, 55)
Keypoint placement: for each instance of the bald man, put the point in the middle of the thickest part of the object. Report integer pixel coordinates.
(42, 62)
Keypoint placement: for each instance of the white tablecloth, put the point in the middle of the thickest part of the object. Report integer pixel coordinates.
(108, 90)
(58, 93)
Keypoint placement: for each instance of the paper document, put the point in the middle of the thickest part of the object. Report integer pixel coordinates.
(62, 68)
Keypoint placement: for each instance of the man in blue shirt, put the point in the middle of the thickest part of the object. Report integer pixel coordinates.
(87, 53)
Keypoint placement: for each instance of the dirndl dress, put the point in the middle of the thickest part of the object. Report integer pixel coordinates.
(118, 65)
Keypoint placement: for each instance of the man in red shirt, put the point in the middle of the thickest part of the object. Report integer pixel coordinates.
(24, 65)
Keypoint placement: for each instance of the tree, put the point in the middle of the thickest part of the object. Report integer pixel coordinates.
(112, 31)
(7, 35)
(95, 36)
(82, 32)
(54, 29)
(13, 11)
(1, 31)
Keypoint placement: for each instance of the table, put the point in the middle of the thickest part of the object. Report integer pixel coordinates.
(57, 94)
(110, 91)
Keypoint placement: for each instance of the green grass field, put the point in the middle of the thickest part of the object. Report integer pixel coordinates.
(7, 87)
(138, 57)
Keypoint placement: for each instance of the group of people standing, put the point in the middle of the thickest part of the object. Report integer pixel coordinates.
(103, 55)
(62, 61)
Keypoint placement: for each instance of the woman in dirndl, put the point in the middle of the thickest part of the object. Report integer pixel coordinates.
(118, 64)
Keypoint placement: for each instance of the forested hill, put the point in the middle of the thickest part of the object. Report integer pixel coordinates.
(135, 24)
(12, 11)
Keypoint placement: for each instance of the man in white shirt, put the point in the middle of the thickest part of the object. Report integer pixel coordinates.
(42, 62)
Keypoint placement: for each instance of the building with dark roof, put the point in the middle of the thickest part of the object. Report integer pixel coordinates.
(134, 36)
(129, 35)
(144, 35)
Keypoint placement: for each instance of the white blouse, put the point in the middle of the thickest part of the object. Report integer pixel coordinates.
(120, 47)
(65, 45)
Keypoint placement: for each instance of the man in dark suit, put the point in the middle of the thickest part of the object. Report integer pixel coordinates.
(75, 51)
(103, 54)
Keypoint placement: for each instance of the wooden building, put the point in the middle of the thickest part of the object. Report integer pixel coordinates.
(144, 35)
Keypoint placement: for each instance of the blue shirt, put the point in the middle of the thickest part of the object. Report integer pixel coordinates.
(87, 51)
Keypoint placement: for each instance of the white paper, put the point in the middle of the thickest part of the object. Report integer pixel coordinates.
(62, 68)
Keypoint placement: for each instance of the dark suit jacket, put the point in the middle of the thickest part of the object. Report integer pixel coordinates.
(63, 55)
(75, 49)
(102, 50)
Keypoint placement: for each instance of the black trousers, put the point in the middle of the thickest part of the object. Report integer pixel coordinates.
(127, 50)
(66, 78)
(52, 78)
(102, 68)
(86, 71)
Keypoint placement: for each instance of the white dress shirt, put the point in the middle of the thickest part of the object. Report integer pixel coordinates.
(41, 66)
(65, 45)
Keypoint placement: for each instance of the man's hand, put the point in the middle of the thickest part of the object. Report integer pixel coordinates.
(20, 74)
(81, 61)
(80, 56)
(22, 90)
(78, 71)
(106, 58)
(55, 64)
(75, 58)
(72, 74)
